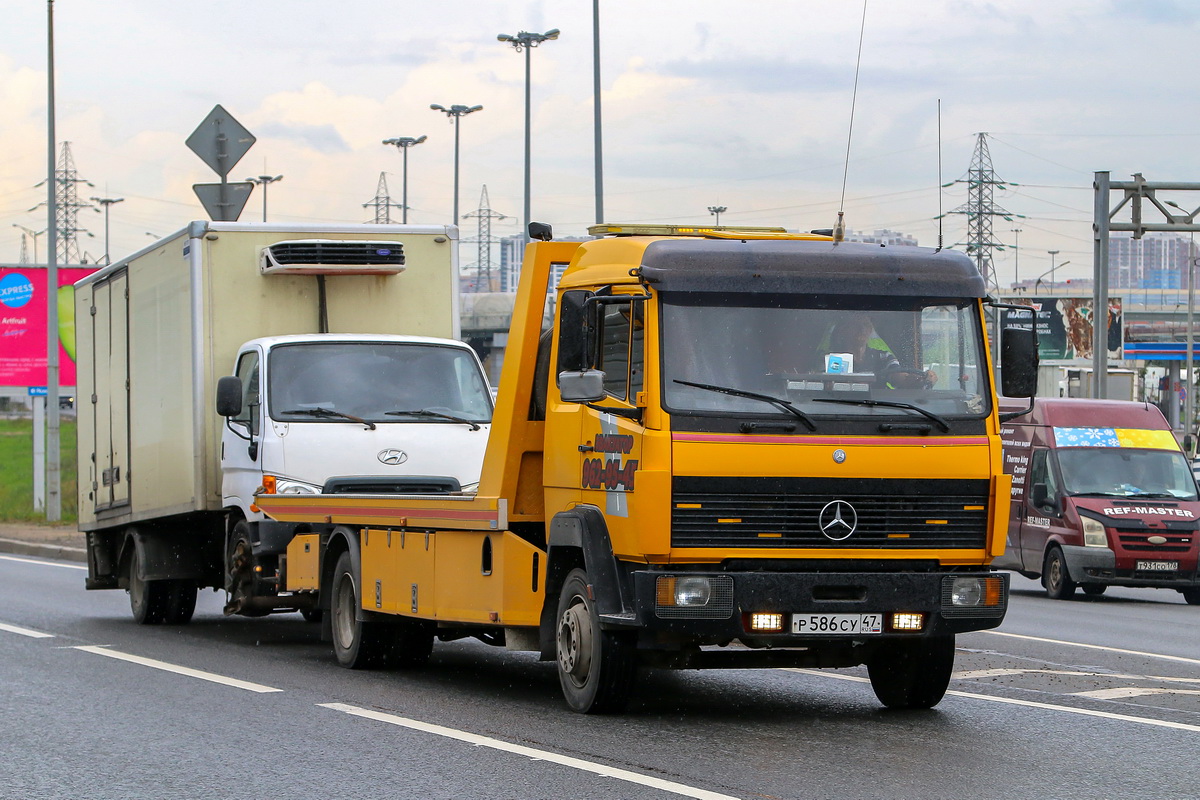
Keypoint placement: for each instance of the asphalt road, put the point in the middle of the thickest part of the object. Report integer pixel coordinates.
(1093, 698)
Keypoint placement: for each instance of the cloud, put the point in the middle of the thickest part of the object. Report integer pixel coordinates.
(320, 138)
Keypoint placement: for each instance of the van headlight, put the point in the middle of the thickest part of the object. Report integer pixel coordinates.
(1094, 534)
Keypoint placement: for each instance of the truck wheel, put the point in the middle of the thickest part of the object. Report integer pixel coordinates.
(369, 644)
(913, 673)
(181, 602)
(1055, 576)
(1192, 596)
(596, 668)
(147, 599)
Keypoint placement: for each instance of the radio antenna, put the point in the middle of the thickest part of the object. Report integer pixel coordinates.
(941, 216)
(839, 230)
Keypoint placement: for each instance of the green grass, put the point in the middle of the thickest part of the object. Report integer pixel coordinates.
(16, 471)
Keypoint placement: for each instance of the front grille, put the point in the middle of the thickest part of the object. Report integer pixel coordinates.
(786, 512)
(1134, 540)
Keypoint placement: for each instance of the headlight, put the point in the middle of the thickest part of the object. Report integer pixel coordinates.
(690, 590)
(971, 591)
(1094, 534)
(273, 485)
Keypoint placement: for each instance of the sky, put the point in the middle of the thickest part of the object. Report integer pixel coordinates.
(763, 107)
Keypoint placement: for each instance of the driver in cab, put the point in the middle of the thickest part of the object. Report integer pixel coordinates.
(855, 335)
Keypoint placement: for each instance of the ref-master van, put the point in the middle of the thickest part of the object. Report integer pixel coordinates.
(1102, 496)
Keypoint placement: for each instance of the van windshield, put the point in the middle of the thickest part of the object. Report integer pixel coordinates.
(1125, 472)
(371, 381)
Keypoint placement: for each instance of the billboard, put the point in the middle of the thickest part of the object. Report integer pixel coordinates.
(1064, 327)
(23, 295)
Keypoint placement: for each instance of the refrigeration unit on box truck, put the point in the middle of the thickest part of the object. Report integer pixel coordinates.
(315, 403)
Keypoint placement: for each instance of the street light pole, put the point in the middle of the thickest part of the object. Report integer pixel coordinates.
(599, 150)
(454, 114)
(1017, 255)
(264, 181)
(1052, 253)
(718, 211)
(526, 41)
(106, 202)
(405, 142)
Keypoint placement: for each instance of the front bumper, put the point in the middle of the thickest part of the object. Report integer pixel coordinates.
(741, 594)
(1099, 565)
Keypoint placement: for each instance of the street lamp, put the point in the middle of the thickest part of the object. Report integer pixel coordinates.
(1052, 253)
(454, 114)
(32, 235)
(405, 142)
(526, 41)
(718, 211)
(106, 202)
(264, 181)
(1049, 272)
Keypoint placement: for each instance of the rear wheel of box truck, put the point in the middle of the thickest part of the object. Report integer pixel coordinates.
(596, 668)
(148, 600)
(368, 644)
(912, 673)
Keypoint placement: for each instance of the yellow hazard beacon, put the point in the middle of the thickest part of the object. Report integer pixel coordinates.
(713, 447)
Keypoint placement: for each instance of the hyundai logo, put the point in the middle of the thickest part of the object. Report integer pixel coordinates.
(392, 456)
(837, 520)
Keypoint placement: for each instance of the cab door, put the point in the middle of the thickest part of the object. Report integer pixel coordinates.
(612, 428)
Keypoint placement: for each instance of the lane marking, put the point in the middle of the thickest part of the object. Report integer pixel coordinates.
(1180, 659)
(25, 632)
(102, 650)
(1132, 691)
(1000, 673)
(43, 563)
(530, 752)
(1087, 712)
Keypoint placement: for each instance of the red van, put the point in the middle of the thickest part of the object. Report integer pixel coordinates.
(1102, 496)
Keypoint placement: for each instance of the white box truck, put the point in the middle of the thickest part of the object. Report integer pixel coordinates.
(345, 375)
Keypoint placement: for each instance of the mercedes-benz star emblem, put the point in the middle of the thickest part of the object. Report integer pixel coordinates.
(392, 457)
(839, 456)
(838, 520)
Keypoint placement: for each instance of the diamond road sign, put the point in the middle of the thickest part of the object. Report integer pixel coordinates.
(220, 141)
(223, 201)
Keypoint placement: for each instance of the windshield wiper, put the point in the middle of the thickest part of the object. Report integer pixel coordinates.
(424, 412)
(945, 426)
(766, 398)
(328, 412)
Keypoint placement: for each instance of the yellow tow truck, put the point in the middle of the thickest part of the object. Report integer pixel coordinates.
(692, 466)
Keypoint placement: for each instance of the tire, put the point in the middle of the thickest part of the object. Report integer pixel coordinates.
(1094, 589)
(371, 644)
(181, 602)
(148, 600)
(596, 668)
(1192, 596)
(1055, 576)
(913, 673)
(239, 573)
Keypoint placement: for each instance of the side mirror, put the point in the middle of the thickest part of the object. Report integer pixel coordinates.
(229, 396)
(1018, 363)
(584, 386)
(1041, 496)
(540, 231)
(1189, 445)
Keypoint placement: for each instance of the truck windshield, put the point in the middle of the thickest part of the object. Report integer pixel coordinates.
(340, 381)
(1126, 472)
(824, 357)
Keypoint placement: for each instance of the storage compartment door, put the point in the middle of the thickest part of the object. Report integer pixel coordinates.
(119, 384)
(111, 404)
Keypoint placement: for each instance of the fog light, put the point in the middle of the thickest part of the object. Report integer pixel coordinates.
(905, 621)
(687, 590)
(766, 623)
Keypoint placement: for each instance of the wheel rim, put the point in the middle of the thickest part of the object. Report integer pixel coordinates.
(1055, 572)
(137, 587)
(343, 613)
(575, 642)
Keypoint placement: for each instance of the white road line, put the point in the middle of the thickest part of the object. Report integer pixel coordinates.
(1180, 659)
(1123, 692)
(25, 632)
(1161, 723)
(43, 563)
(163, 665)
(530, 752)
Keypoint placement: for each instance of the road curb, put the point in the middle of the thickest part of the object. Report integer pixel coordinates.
(60, 551)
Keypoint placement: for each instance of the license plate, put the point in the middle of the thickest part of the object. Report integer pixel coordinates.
(1157, 566)
(837, 624)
